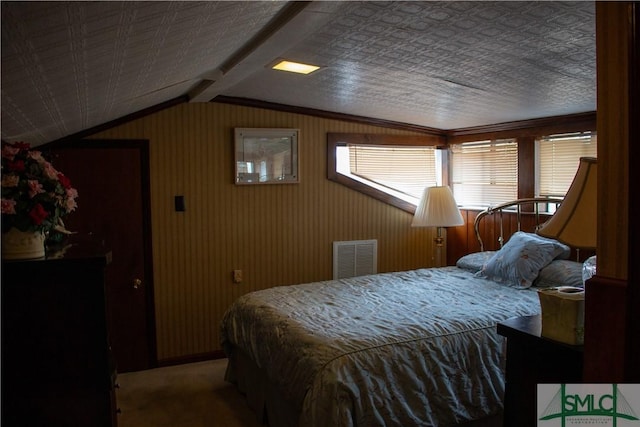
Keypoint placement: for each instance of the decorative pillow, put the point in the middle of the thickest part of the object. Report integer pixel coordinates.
(520, 260)
(475, 261)
(560, 272)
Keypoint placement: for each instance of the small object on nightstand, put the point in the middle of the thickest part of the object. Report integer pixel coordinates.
(588, 268)
(563, 314)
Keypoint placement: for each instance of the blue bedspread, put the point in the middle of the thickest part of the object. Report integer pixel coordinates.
(396, 349)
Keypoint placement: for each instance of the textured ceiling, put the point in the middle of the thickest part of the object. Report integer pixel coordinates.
(70, 66)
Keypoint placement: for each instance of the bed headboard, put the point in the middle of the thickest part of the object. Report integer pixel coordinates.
(536, 207)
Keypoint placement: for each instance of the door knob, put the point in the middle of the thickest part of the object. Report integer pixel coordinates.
(137, 283)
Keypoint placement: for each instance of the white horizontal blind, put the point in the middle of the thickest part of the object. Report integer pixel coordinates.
(405, 169)
(484, 173)
(558, 160)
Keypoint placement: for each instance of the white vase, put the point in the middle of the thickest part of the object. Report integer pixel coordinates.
(18, 244)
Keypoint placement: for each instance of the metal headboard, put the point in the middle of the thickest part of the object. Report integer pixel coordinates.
(514, 206)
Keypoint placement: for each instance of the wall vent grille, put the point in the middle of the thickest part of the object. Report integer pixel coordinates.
(355, 258)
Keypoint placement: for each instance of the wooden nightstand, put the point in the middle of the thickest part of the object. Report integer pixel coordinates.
(532, 360)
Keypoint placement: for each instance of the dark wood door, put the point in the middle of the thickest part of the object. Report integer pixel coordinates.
(112, 179)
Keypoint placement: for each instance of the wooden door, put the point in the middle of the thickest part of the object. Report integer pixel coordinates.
(112, 179)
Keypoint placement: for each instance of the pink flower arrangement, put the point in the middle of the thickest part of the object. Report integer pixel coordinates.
(35, 196)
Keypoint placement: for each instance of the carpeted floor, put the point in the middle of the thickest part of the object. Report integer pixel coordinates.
(191, 395)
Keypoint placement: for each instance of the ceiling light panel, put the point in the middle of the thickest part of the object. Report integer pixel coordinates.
(295, 67)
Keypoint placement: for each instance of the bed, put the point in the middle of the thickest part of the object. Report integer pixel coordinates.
(409, 348)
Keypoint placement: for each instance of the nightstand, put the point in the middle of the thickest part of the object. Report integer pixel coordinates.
(531, 360)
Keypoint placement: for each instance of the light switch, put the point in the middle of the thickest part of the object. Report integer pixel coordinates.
(179, 203)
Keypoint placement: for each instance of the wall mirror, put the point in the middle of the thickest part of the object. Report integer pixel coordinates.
(266, 156)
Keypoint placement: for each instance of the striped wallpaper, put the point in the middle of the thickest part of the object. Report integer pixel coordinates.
(278, 234)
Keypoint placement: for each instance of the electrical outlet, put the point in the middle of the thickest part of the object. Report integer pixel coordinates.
(237, 276)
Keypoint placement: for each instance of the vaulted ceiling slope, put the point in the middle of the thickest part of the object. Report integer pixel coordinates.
(72, 66)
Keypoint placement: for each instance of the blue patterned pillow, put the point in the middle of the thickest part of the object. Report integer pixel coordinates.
(475, 261)
(560, 272)
(520, 260)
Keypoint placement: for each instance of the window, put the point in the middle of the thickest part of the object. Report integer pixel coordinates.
(558, 157)
(391, 168)
(398, 170)
(484, 173)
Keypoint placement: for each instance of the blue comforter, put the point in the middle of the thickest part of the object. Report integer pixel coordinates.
(396, 349)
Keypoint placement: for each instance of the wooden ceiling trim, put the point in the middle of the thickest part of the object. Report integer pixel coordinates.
(526, 128)
(327, 114)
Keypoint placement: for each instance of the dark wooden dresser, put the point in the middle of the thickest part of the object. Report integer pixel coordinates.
(57, 368)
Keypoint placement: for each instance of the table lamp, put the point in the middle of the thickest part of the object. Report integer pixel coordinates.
(575, 221)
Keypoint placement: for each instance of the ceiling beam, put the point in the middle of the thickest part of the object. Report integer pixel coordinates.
(292, 24)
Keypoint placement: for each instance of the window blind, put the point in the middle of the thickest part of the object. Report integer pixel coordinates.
(484, 173)
(558, 160)
(405, 169)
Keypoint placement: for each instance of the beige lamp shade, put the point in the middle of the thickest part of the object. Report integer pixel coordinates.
(437, 208)
(575, 221)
